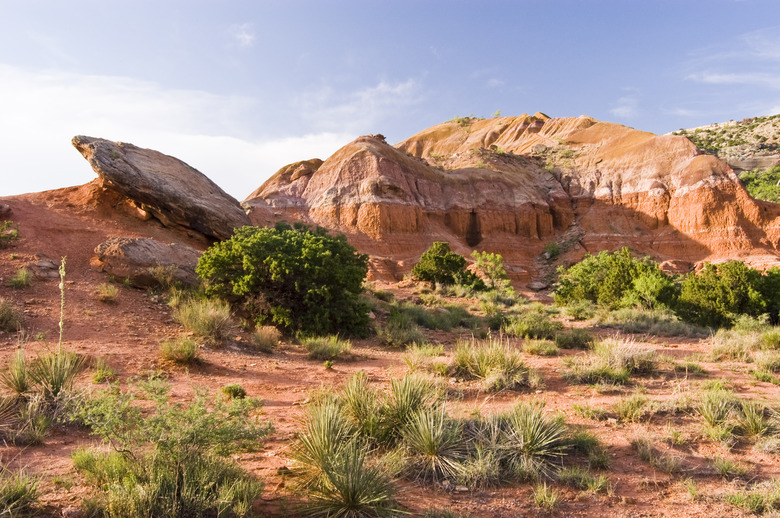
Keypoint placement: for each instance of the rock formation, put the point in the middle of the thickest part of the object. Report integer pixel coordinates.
(144, 260)
(163, 187)
(515, 184)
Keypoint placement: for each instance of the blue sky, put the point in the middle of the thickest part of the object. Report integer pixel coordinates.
(240, 88)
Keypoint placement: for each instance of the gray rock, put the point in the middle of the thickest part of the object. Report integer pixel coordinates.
(5, 210)
(538, 286)
(142, 260)
(166, 187)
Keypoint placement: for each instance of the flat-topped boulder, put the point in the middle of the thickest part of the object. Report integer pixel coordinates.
(143, 261)
(163, 186)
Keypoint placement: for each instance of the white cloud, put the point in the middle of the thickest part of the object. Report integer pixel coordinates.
(42, 111)
(495, 83)
(328, 109)
(760, 79)
(626, 107)
(243, 34)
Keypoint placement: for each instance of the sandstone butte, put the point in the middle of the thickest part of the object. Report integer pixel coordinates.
(513, 185)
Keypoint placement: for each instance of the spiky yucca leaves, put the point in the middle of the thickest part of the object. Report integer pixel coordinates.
(752, 420)
(716, 406)
(350, 486)
(16, 377)
(327, 430)
(531, 442)
(409, 395)
(362, 404)
(436, 444)
(55, 372)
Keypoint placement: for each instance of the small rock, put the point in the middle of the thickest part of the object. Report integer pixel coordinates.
(461, 489)
(5, 210)
(628, 500)
(73, 512)
(538, 286)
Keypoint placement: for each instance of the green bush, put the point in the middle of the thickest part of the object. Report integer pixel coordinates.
(8, 233)
(440, 265)
(491, 265)
(763, 185)
(533, 324)
(175, 456)
(614, 280)
(719, 293)
(298, 278)
(181, 349)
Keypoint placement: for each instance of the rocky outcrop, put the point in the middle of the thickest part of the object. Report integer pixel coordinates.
(163, 187)
(515, 184)
(145, 261)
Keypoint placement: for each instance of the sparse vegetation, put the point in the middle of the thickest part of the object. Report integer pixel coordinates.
(326, 347)
(493, 361)
(10, 317)
(180, 349)
(107, 292)
(209, 319)
(9, 232)
(21, 279)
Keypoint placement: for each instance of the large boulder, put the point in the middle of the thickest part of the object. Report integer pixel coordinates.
(145, 261)
(164, 186)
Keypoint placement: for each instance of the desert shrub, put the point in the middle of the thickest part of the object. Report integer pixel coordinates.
(418, 357)
(614, 280)
(440, 265)
(493, 361)
(583, 479)
(540, 347)
(613, 360)
(184, 470)
(15, 377)
(8, 233)
(581, 309)
(107, 292)
(408, 396)
(55, 372)
(533, 324)
(760, 498)
(21, 279)
(574, 339)
(545, 497)
(265, 339)
(435, 443)
(103, 372)
(718, 293)
(326, 347)
(401, 329)
(444, 317)
(632, 408)
(656, 322)
(762, 185)
(234, 391)
(180, 349)
(298, 278)
(209, 319)
(18, 493)
(491, 265)
(10, 317)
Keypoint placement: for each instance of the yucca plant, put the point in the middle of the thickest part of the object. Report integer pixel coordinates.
(351, 487)
(494, 361)
(55, 372)
(435, 443)
(752, 420)
(409, 395)
(716, 406)
(326, 431)
(362, 404)
(531, 442)
(16, 377)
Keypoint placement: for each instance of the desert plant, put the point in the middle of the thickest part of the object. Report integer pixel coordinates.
(658, 459)
(728, 468)
(21, 279)
(582, 309)
(16, 377)
(493, 361)
(107, 292)
(363, 406)
(10, 317)
(298, 278)
(326, 347)
(440, 265)
(18, 493)
(574, 339)
(546, 498)
(55, 372)
(265, 339)
(401, 330)
(209, 319)
(632, 408)
(588, 444)
(491, 265)
(656, 322)
(103, 372)
(533, 324)
(234, 391)
(408, 396)
(8, 233)
(540, 347)
(583, 479)
(180, 349)
(435, 444)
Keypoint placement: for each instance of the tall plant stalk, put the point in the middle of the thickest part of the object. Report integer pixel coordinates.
(62, 298)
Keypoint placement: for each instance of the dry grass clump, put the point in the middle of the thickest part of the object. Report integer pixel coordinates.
(266, 338)
(613, 360)
(326, 347)
(10, 317)
(209, 319)
(107, 292)
(180, 349)
(495, 362)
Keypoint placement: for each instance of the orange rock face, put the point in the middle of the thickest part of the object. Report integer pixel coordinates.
(515, 184)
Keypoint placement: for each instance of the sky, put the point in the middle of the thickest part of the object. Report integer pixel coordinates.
(238, 89)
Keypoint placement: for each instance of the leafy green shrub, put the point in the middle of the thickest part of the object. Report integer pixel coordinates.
(441, 265)
(180, 349)
(581, 309)
(762, 185)
(297, 278)
(326, 347)
(491, 265)
(206, 318)
(10, 317)
(21, 279)
(234, 391)
(552, 250)
(8, 233)
(614, 280)
(183, 471)
(718, 293)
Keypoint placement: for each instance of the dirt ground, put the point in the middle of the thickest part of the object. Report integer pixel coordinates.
(126, 334)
